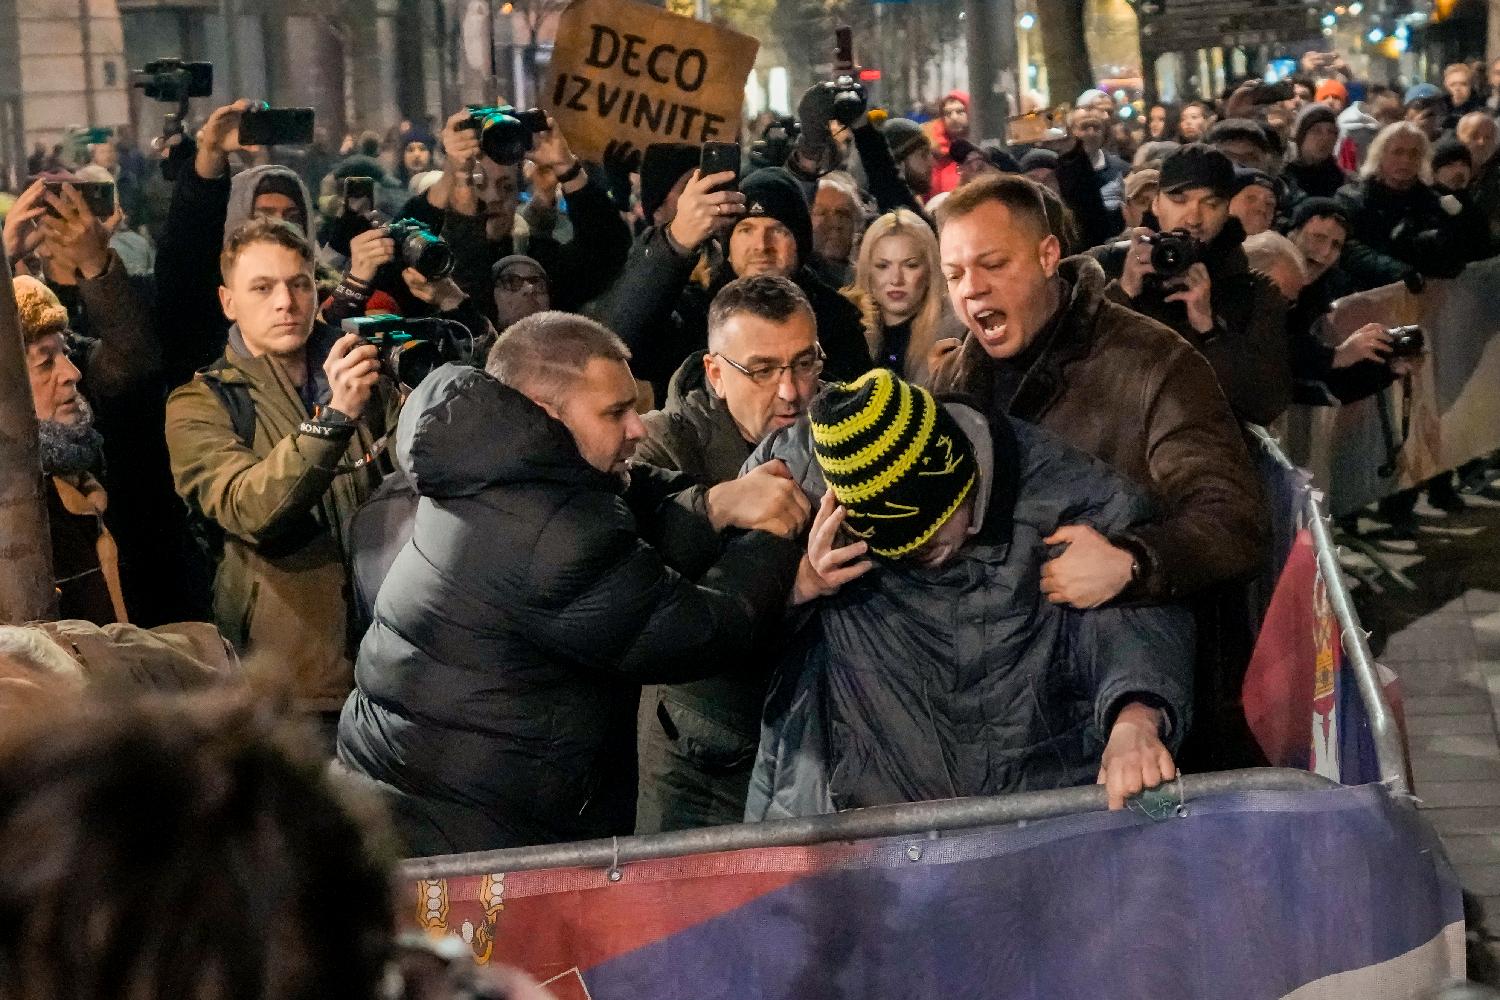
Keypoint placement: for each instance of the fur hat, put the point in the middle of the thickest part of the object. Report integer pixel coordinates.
(40, 310)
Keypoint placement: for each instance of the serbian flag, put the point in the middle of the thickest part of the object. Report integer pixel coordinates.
(1257, 895)
(1301, 697)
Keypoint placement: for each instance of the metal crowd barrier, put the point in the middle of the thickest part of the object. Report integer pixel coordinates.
(914, 818)
(1308, 505)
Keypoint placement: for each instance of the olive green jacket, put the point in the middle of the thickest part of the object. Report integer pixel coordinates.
(284, 503)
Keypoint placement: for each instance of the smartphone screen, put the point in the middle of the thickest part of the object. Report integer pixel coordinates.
(277, 127)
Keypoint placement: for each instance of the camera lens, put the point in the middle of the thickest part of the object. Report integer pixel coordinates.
(429, 254)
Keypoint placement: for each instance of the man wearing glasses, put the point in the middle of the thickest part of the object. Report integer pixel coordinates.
(698, 740)
(520, 290)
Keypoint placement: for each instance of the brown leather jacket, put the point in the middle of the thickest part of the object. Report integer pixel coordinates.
(1132, 393)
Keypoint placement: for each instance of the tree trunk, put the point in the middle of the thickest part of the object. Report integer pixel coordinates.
(26, 591)
(326, 79)
(990, 33)
(1068, 71)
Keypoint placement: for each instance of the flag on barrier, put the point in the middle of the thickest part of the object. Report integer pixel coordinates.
(1300, 695)
(1343, 892)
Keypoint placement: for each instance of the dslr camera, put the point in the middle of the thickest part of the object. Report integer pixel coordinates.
(1173, 252)
(416, 246)
(505, 132)
(1406, 341)
(409, 348)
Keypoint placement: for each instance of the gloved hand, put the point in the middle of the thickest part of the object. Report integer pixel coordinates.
(814, 112)
(621, 159)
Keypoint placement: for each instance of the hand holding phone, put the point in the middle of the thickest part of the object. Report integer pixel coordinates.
(718, 158)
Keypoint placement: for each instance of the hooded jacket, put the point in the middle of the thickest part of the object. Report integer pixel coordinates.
(203, 212)
(284, 502)
(497, 687)
(1248, 345)
(912, 684)
(944, 168)
(1357, 129)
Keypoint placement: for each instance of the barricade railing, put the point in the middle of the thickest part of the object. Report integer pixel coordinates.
(1307, 507)
(925, 819)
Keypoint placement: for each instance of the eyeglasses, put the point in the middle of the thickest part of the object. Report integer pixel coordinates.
(806, 367)
(522, 282)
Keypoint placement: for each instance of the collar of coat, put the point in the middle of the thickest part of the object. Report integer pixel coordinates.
(1071, 337)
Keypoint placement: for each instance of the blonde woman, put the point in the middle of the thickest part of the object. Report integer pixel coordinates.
(898, 285)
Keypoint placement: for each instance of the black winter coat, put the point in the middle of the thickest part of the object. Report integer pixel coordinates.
(497, 688)
(1400, 233)
(1248, 345)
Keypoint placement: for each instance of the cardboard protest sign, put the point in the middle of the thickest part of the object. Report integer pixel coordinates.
(630, 71)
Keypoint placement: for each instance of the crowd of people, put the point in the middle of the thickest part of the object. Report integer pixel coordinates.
(591, 498)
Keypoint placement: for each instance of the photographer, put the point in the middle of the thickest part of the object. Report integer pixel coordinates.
(208, 205)
(1400, 226)
(473, 207)
(276, 446)
(1232, 316)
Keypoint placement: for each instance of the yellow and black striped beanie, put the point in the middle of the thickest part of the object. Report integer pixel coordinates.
(895, 459)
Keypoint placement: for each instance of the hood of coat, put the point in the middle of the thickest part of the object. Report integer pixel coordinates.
(688, 393)
(248, 183)
(462, 431)
(1355, 118)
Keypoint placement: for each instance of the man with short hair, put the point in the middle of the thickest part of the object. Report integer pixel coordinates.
(497, 687)
(766, 228)
(1458, 81)
(273, 446)
(1046, 344)
(1089, 126)
(1232, 316)
(757, 376)
(837, 221)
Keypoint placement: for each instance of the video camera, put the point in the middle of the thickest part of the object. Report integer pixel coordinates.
(172, 81)
(504, 132)
(409, 348)
(775, 143)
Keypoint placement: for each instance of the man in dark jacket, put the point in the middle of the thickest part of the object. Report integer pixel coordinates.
(477, 218)
(497, 687)
(938, 672)
(1313, 170)
(662, 316)
(1046, 345)
(1232, 316)
(697, 740)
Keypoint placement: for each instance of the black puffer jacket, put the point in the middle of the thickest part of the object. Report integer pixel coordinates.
(497, 686)
(912, 684)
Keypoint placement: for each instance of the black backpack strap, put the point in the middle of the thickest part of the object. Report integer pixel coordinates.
(236, 400)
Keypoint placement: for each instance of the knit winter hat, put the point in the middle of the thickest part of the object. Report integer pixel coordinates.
(904, 136)
(1310, 115)
(1331, 88)
(663, 165)
(40, 311)
(774, 192)
(897, 461)
(1449, 150)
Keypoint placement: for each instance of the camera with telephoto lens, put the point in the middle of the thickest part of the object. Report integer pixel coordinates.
(505, 132)
(1406, 341)
(416, 246)
(408, 347)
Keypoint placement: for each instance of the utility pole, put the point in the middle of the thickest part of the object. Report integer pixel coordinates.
(990, 35)
(26, 590)
(231, 50)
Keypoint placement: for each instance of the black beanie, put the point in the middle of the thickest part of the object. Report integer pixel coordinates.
(663, 165)
(894, 457)
(1310, 115)
(774, 192)
(1449, 150)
